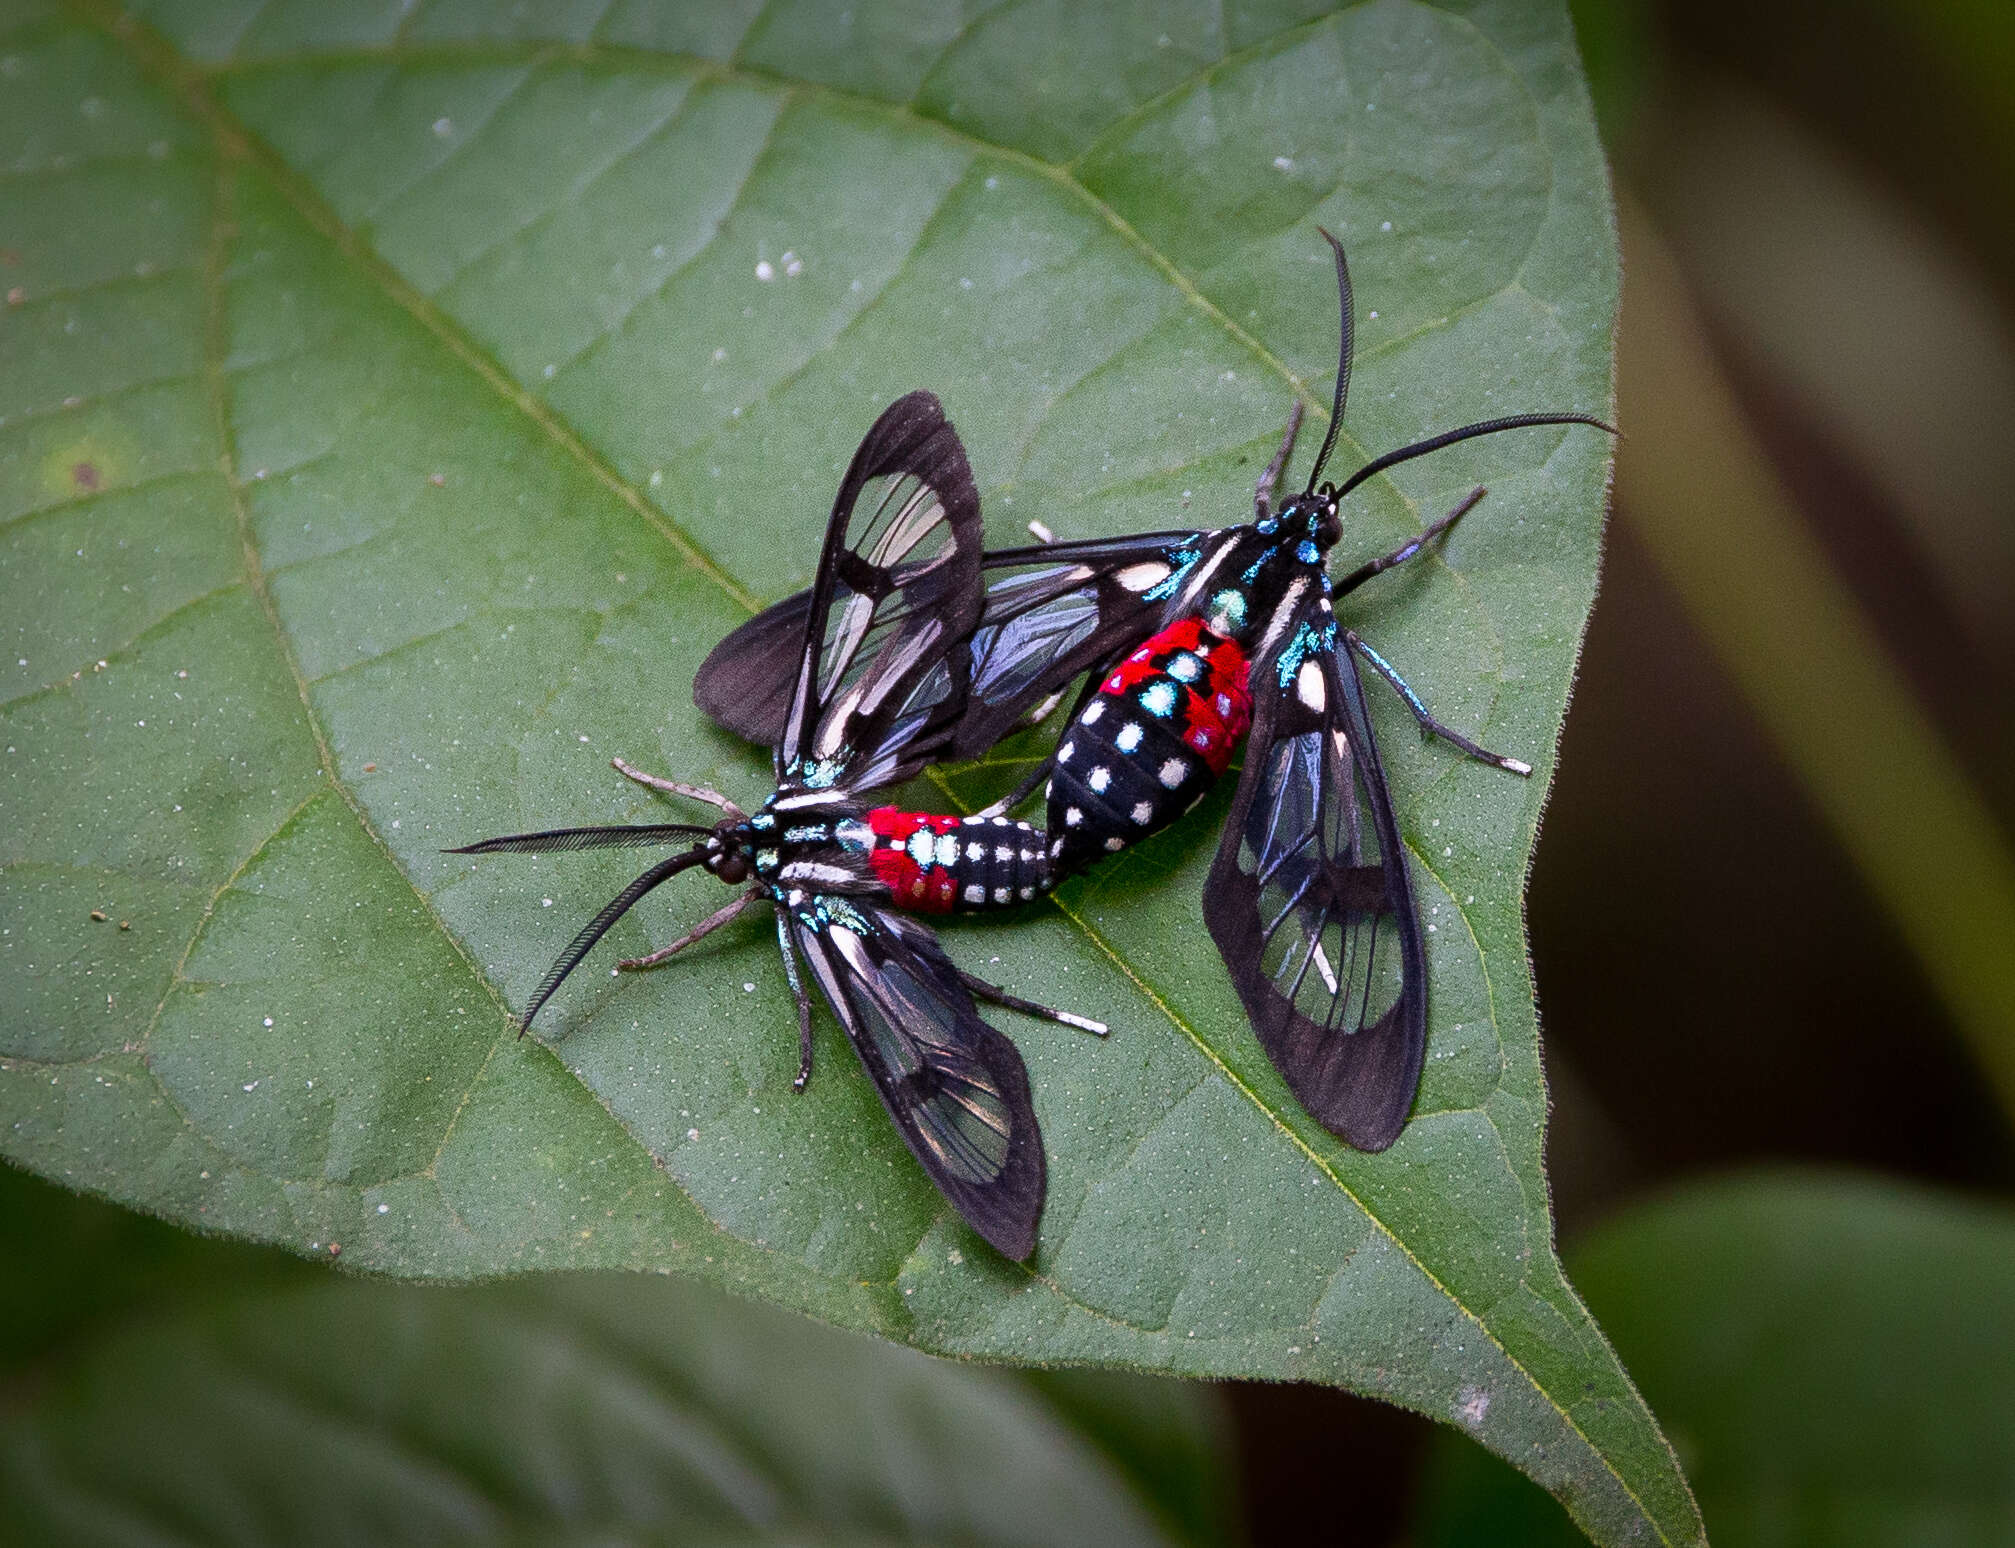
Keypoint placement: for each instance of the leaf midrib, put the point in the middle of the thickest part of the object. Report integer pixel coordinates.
(235, 144)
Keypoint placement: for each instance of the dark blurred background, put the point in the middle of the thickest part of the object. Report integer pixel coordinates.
(1770, 907)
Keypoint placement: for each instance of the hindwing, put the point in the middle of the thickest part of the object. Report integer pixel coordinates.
(1309, 900)
(956, 1087)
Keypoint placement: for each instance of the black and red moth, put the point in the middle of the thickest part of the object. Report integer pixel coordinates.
(882, 650)
(1191, 640)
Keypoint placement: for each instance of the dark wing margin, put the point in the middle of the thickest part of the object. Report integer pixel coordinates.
(742, 686)
(1051, 612)
(956, 1087)
(1311, 906)
(881, 666)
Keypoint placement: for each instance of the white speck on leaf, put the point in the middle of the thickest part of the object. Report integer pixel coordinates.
(444, 127)
(765, 271)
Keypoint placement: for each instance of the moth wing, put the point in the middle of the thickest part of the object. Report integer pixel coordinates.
(1311, 906)
(1058, 610)
(1051, 613)
(956, 1088)
(881, 662)
(738, 686)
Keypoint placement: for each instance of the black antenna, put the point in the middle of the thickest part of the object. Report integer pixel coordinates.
(603, 922)
(554, 840)
(1346, 346)
(1435, 443)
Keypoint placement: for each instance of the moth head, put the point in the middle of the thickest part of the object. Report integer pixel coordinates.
(1313, 517)
(728, 851)
(1325, 521)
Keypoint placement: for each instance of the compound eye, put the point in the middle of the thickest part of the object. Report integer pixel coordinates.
(731, 867)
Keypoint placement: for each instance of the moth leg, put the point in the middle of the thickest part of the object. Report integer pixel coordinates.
(1000, 996)
(1262, 494)
(1021, 792)
(1040, 713)
(804, 1000)
(1407, 550)
(705, 927)
(1042, 771)
(1429, 726)
(674, 787)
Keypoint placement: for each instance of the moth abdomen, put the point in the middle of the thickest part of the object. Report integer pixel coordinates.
(1156, 736)
(935, 864)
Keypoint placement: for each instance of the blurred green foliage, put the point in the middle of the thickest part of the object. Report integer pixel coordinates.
(1831, 1355)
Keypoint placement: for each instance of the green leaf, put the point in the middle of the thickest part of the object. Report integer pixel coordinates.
(587, 1408)
(433, 393)
(1832, 1353)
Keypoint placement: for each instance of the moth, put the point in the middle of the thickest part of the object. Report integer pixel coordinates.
(882, 652)
(1189, 641)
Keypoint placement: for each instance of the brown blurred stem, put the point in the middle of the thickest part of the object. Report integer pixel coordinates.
(1696, 487)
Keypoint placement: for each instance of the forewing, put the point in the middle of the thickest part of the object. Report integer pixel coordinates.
(1310, 903)
(882, 662)
(1056, 611)
(1051, 613)
(956, 1088)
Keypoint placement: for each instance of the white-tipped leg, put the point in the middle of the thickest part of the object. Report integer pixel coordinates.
(1000, 996)
(675, 787)
(1041, 712)
(704, 928)
(1429, 726)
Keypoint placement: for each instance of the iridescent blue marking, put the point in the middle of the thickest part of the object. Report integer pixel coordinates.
(824, 774)
(1158, 699)
(1232, 605)
(1308, 640)
(1392, 676)
(1180, 560)
(1267, 526)
(1185, 668)
(1252, 571)
(1308, 553)
(810, 835)
(790, 957)
(762, 820)
(837, 911)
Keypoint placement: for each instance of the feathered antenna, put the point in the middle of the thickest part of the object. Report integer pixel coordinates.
(1346, 346)
(554, 839)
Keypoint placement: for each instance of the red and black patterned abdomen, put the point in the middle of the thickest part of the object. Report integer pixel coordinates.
(1155, 737)
(933, 864)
